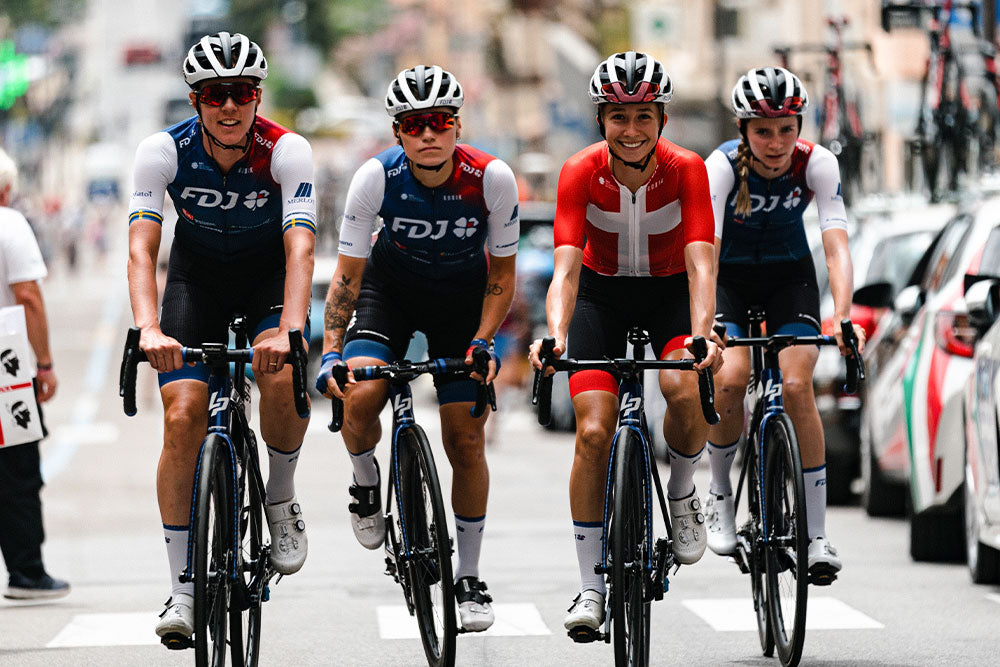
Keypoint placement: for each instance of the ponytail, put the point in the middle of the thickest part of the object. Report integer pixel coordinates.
(743, 203)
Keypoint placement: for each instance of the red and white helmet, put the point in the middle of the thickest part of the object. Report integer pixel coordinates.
(224, 55)
(631, 77)
(769, 92)
(423, 87)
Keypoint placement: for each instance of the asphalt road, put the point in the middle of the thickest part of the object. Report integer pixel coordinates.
(104, 536)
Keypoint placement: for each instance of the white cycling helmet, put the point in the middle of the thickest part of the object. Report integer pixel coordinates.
(423, 87)
(769, 92)
(224, 55)
(630, 77)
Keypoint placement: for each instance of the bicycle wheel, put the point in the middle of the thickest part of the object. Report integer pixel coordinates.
(755, 557)
(425, 526)
(212, 541)
(787, 542)
(629, 551)
(248, 589)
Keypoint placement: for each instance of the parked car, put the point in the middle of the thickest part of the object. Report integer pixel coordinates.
(912, 416)
(981, 506)
(885, 249)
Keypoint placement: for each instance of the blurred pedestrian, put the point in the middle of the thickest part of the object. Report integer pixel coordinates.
(21, 531)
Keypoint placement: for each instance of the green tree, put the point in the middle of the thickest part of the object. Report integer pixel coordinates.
(45, 12)
(323, 22)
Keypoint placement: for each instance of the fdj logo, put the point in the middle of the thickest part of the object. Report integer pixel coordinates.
(207, 198)
(218, 403)
(630, 404)
(422, 229)
(401, 404)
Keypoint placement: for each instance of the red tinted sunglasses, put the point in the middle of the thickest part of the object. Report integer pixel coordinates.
(790, 106)
(215, 94)
(438, 121)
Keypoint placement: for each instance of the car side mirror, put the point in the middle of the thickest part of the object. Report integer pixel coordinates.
(908, 302)
(982, 300)
(875, 295)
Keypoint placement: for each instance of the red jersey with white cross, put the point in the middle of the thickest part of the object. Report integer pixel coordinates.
(640, 234)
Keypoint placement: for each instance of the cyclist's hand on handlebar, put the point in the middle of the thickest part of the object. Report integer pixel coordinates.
(325, 384)
(534, 353)
(163, 352)
(713, 358)
(270, 354)
(859, 333)
(494, 360)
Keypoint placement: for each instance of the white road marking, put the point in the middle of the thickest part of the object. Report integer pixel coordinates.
(135, 629)
(823, 613)
(512, 620)
(993, 597)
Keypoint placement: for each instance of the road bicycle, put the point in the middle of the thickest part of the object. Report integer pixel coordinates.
(840, 127)
(772, 545)
(228, 559)
(958, 116)
(634, 561)
(418, 547)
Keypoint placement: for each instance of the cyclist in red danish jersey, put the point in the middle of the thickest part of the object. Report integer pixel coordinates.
(634, 247)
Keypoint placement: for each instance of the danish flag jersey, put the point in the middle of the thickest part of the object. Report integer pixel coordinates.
(640, 234)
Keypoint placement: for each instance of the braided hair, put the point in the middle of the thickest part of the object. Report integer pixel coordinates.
(743, 204)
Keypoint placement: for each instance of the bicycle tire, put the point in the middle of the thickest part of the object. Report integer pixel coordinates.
(630, 606)
(757, 557)
(248, 590)
(787, 541)
(426, 532)
(212, 542)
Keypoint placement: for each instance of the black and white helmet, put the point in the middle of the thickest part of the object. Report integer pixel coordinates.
(629, 78)
(224, 55)
(423, 87)
(769, 92)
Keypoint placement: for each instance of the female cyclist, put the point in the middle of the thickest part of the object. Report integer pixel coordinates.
(761, 184)
(633, 247)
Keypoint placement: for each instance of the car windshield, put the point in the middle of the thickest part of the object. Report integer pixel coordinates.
(990, 264)
(894, 257)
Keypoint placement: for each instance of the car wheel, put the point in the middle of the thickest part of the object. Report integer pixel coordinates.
(984, 561)
(936, 536)
(879, 496)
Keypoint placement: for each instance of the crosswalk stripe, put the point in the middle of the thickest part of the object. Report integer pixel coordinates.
(822, 613)
(132, 629)
(512, 620)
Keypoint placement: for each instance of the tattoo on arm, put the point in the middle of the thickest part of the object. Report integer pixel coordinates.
(494, 289)
(339, 309)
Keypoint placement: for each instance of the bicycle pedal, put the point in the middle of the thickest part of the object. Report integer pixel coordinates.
(581, 634)
(176, 641)
(822, 576)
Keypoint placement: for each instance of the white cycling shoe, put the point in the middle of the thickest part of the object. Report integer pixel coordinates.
(289, 544)
(687, 523)
(367, 519)
(586, 616)
(176, 624)
(474, 610)
(824, 563)
(720, 520)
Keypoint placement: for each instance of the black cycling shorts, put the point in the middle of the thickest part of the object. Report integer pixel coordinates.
(786, 290)
(389, 311)
(608, 306)
(203, 294)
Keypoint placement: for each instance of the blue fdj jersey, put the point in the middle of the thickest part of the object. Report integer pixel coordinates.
(774, 231)
(442, 227)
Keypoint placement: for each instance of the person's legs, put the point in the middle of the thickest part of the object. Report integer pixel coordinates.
(21, 529)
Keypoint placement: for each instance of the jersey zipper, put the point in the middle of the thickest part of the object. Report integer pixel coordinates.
(634, 233)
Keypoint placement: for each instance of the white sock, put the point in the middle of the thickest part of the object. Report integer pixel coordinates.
(365, 473)
(815, 482)
(682, 467)
(720, 459)
(281, 474)
(588, 554)
(177, 552)
(469, 536)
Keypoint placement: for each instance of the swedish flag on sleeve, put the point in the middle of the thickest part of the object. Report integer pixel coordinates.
(298, 220)
(145, 214)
